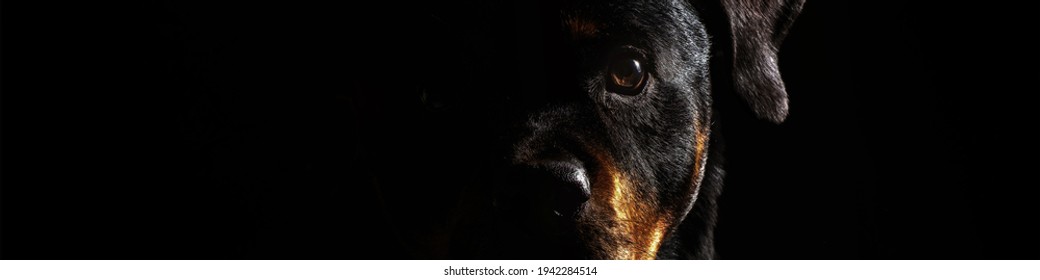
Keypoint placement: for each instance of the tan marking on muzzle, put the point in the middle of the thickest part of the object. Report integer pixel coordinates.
(641, 225)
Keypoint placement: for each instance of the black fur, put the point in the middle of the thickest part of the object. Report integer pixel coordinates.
(556, 163)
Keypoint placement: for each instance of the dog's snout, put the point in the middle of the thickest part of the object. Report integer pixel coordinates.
(545, 189)
(538, 203)
(569, 182)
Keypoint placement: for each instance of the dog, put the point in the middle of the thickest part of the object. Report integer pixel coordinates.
(564, 129)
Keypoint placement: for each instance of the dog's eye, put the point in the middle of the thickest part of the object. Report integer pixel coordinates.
(626, 75)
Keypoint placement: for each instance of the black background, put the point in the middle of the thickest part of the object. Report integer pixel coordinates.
(202, 131)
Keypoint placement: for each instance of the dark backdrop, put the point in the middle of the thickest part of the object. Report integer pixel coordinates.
(211, 131)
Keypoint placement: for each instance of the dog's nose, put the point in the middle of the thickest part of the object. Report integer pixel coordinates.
(569, 185)
(545, 189)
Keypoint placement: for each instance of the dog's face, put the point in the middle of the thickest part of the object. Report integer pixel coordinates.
(603, 126)
(614, 150)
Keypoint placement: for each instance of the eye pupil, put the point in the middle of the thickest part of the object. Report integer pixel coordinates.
(626, 76)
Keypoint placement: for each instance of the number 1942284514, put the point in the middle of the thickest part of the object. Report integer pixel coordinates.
(567, 270)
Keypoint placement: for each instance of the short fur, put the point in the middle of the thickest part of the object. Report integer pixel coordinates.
(578, 171)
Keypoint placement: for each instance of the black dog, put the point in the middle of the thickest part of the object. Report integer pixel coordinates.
(566, 129)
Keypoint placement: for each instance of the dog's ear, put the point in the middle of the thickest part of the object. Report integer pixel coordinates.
(757, 27)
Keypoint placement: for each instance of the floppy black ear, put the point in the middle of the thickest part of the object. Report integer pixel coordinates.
(757, 27)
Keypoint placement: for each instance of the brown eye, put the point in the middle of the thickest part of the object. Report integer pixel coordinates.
(626, 75)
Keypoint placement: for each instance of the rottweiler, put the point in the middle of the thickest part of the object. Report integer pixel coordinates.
(563, 129)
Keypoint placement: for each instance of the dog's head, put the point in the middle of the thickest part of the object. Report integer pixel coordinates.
(614, 151)
(605, 140)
